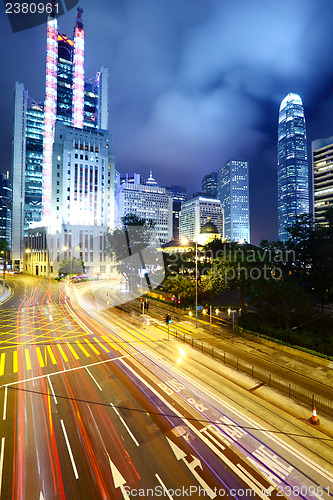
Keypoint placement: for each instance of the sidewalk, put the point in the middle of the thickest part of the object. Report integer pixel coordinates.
(4, 296)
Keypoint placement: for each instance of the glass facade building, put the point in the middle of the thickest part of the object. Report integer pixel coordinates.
(293, 182)
(71, 99)
(233, 191)
(209, 184)
(33, 164)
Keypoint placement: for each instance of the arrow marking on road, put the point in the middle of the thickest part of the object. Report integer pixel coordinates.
(118, 479)
(181, 455)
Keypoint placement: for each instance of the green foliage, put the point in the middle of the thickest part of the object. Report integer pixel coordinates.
(3, 247)
(237, 267)
(71, 266)
(125, 246)
(314, 336)
(180, 286)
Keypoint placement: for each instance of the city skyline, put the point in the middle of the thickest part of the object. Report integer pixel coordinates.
(185, 117)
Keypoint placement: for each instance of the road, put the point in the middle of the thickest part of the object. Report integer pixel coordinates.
(94, 407)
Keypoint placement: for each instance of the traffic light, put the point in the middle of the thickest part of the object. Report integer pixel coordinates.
(141, 299)
(167, 319)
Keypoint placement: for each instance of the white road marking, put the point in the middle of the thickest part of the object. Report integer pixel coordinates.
(5, 405)
(2, 453)
(298, 454)
(69, 450)
(100, 388)
(69, 370)
(118, 479)
(52, 390)
(208, 443)
(123, 421)
(165, 488)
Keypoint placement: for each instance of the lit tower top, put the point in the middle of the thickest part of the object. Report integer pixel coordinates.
(151, 181)
(50, 109)
(78, 72)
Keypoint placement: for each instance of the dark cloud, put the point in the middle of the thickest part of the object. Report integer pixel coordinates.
(194, 83)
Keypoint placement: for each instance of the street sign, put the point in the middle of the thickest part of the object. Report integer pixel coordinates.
(199, 307)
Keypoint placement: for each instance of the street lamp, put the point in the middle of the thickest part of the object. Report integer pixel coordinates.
(196, 284)
(4, 271)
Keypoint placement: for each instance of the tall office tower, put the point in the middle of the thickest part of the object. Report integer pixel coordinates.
(70, 98)
(322, 171)
(147, 201)
(293, 182)
(179, 195)
(233, 191)
(195, 213)
(81, 176)
(5, 199)
(209, 184)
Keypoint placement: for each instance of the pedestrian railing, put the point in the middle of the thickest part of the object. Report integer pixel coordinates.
(295, 392)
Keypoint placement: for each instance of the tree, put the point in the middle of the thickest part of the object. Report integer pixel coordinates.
(180, 286)
(126, 246)
(73, 265)
(240, 267)
(3, 253)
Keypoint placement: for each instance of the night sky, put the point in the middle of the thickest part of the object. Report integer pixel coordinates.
(193, 83)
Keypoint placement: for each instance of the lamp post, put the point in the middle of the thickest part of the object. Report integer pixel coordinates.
(4, 271)
(196, 284)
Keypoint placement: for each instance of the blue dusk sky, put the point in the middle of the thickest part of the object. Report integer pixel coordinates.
(193, 83)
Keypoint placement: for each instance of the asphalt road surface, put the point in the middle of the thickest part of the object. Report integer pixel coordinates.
(94, 407)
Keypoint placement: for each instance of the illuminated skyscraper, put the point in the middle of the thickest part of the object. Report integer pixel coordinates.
(70, 98)
(209, 184)
(233, 191)
(293, 183)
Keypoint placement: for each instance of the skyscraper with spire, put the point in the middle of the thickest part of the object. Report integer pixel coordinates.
(71, 99)
(293, 182)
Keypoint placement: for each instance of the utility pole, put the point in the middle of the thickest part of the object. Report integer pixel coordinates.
(196, 284)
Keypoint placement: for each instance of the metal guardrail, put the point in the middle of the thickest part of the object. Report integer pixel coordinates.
(294, 392)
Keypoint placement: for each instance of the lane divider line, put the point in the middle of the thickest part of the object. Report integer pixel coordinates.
(4, 414)
(52, 390)
(125, 425)
(69, 450)
(2, 453)
(100, 388)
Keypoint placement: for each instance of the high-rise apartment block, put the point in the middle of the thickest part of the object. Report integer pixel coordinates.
(293, 182)
(147, 201)
(233, 191)
(322, 168)
(209, 184)
(195, 213)
(62, 168)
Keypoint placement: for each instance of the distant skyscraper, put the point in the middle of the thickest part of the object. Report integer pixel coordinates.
(209, 184)
(322, 162)
(70, 98)
(293, 183)
(179, 195)
(233, 191)
(148, 201)
(197, 212)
